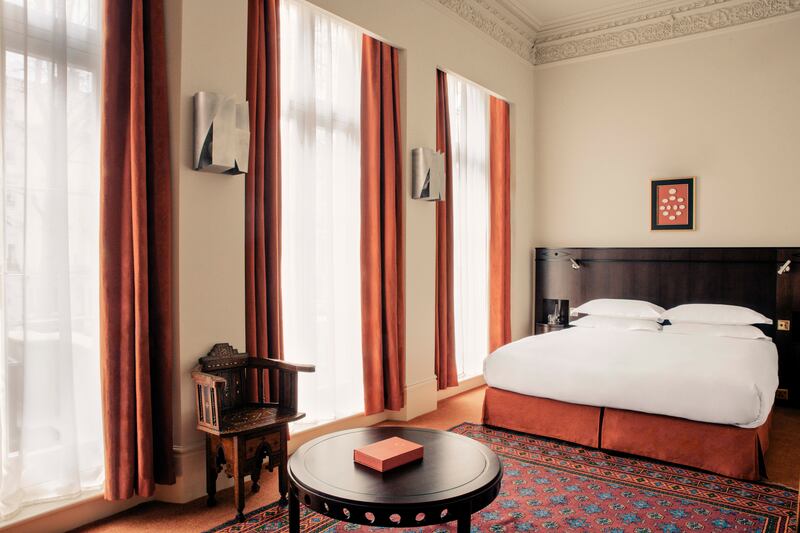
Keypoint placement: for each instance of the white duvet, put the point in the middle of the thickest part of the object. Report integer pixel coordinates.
(708, 379)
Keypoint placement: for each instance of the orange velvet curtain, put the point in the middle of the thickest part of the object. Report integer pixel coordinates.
(264, 323)
(499, 224)
(136, 335)
(382, 255)
(445, 351)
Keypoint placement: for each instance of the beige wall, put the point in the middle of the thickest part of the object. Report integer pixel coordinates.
(206, 51)
(723, 107)
(210, 206)
(207, 47)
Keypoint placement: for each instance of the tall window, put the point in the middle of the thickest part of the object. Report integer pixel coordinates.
(321, 158)
(469, 130)
(50, 415)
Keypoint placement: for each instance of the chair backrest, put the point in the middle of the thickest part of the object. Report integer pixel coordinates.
(225, 361)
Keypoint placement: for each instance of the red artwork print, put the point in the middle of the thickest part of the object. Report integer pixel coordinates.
(673, 204)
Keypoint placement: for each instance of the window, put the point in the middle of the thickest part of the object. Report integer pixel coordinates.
(321, 227)
(50, 413)
(469, 130)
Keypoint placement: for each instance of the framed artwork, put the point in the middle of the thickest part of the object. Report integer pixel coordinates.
(672, 204)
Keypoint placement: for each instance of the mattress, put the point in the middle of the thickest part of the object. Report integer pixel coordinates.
(708, 379)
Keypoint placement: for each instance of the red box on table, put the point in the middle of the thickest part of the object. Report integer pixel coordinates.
(388, 454)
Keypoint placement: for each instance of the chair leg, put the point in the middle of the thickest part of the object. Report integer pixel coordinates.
(283, 484)
(283, 476)
(211, 473)
(238, 479)
(255, 473)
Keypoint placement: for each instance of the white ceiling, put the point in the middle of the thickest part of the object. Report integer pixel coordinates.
(545, 15)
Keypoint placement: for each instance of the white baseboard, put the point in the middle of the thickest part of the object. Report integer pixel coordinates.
(190, 475)
(463, 386)
(420, 399)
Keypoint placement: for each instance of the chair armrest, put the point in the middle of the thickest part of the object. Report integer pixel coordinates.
(205, 379)
(208, 389)
(287, 379)
(279, 365)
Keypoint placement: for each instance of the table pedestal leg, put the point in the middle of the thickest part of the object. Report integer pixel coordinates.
(464, 524)
(294, 512)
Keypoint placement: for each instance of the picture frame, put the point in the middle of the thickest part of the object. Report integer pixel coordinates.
(672, 203)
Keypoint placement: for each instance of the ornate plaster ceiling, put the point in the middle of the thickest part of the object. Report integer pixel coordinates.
(546, 31)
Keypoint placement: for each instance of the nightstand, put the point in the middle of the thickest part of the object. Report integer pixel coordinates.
(540, 328)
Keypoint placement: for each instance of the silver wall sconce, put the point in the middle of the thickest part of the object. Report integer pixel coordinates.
(221, 134)
(427, 174)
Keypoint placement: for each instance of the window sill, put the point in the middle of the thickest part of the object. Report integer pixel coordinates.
(33, 510)
(67, 513)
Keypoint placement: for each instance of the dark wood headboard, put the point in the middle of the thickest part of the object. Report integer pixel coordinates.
(674, 276)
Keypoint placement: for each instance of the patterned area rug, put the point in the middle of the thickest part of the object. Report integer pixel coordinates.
(554, 485)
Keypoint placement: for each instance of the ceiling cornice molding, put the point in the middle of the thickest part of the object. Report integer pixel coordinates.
(499, 20)
(531, 23)
(508, 24)
(689, 18)
(623, 11)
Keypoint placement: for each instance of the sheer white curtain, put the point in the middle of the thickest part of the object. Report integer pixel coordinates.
(469, 130)
(321, 194)
(50, 415)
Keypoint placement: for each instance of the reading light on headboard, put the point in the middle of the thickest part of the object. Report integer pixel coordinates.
(784, 268)
(551, 255)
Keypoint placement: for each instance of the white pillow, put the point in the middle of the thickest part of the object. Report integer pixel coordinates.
(731, 315)
(716, 330)
(610, 322)
(621, 309)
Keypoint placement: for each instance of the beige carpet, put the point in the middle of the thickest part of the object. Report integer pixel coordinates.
(783, 465)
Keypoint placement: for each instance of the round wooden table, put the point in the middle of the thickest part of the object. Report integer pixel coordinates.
(456, 477)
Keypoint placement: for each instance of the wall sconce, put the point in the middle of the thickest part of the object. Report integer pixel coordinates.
(784, 268)
(427, 174)
(575, 265)
(221, 134)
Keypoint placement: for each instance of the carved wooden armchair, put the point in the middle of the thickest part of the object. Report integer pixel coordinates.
(241, 433)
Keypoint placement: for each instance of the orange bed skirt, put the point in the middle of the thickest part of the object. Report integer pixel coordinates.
(727, 450)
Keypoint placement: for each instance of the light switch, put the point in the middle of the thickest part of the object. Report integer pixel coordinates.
(784, 325)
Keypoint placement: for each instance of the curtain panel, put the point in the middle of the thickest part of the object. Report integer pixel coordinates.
(321, 220)
(263, 315)
(50, 408)
(500, 224)
(445, 352)
(136, 335)
(382, 233)
(469, 195)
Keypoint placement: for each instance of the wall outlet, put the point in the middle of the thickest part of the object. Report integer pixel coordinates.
(784, 325)
(782, 394)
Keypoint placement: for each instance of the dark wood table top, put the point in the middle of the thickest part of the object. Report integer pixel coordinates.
(453, 468)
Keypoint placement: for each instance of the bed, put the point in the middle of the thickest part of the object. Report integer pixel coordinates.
(700, 402)
(653, 394)
(707, 379)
